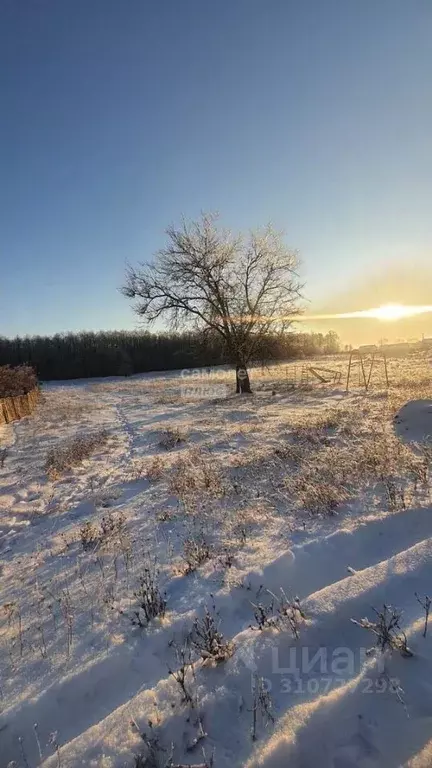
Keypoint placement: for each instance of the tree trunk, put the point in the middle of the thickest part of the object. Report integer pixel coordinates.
(242, 380)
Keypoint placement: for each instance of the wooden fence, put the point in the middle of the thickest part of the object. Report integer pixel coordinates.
(13, 408)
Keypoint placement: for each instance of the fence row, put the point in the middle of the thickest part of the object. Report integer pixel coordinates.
(13, 408)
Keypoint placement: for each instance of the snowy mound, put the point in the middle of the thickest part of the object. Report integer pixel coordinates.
(414, 421)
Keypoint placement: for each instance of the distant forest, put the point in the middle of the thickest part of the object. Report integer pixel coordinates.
(123, 353)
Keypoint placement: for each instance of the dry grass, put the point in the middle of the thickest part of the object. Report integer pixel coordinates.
(404, 390)
(196, 551)
(329, 455)
(167, 399)
(172, 437)
(63, 407)
(155, 470)
(152, 469)
(68, 453)
(320, 497)
(196, 473)
(330, 475)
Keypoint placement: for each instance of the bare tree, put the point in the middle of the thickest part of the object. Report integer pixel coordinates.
(242, 289)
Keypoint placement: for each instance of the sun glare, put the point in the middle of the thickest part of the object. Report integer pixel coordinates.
(391, 312)
(386, 312)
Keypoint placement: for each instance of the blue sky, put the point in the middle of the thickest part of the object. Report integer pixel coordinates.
(119, 116)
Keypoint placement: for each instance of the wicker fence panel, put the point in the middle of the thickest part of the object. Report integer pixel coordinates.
(9, 409)
(14, 408)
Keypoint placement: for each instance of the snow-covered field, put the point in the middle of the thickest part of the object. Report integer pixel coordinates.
(218, 501)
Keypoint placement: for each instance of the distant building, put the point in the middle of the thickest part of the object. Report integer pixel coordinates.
(367, 349)
(397, 348)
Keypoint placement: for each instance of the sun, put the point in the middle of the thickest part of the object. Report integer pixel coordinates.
(391, 312)
(386, 312)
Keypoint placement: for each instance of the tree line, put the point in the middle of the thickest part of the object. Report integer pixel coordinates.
(123, 353)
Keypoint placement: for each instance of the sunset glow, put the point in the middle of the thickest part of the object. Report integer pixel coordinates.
(396, 311)
(386, 312)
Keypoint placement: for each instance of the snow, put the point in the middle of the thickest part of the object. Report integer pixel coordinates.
(414, 421)
(73, 664)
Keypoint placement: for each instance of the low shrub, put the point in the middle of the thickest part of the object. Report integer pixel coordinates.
(110, 530)
(196, 551)
(16, 381)
(171, 438)
(387, 630)
(68, 453)
(151, 601)
(207, 639)
(196, 473)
